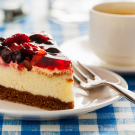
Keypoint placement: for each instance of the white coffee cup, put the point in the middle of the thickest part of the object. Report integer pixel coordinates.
(112, 32)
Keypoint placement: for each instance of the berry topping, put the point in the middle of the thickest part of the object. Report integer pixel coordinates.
(27, 64)
(51, 63)
(17, 38)
(15, 46)
(38, 56)
(41, 47)
(13, 58)
(31, 51)
(29, 57)
(6, 55)
(19, 57)
(1, 48)
(49, 42)
(52, 50)
(30, 48)
(2, 39)
(38, 38)
(41, 52)
(19, 49)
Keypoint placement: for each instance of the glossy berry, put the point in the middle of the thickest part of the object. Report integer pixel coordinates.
(38, 38)
(2, 39)
(1, 48)
(49, 42)
(6, 55)
(17, 38)
(15, 46)
(30, 48)
(52, 50)
(29, 57)
(19, 57)
(13, 58)
(27, 65)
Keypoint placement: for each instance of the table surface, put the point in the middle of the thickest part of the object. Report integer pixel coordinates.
(117, 118)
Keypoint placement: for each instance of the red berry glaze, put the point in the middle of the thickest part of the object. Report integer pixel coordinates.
(51, 63)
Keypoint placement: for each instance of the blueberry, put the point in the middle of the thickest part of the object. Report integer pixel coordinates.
(39, 38)
(49, 42)
(1, 48)
(52, 50)
(6, 55)
(13, 58)
(19, 56)
(35, 38)
(29, 57)
(2, 39)
(1, 42)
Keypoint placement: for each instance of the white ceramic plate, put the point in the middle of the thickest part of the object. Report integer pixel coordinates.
(85, 101)
(79, 49)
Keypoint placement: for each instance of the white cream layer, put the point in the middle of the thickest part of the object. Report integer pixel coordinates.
(56, 86)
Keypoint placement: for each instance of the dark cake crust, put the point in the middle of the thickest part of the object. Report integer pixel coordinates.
(39, 101)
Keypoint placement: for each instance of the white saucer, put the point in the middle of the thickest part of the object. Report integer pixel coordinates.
(85, 101)
(79, 49)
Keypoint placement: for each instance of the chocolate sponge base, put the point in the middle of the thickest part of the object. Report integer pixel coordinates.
(23, 97)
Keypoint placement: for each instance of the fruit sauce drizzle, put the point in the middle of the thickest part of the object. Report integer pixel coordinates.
(37, 49)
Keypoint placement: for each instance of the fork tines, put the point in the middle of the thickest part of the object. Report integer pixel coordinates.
(92, 75)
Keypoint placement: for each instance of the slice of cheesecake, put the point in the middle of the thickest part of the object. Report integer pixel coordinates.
(33, 71)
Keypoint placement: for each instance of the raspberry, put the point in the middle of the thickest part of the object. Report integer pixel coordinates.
(15, 46)
(17, 38)
(30, 48)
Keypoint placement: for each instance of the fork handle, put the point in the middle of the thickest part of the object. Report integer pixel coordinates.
(124, 92)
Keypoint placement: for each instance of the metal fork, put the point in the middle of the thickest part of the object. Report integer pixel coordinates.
(95, 81)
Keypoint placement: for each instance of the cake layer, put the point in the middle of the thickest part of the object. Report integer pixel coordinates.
(39, 101)
(57, 86)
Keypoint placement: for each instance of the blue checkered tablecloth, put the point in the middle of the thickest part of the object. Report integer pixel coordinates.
(115, 119)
